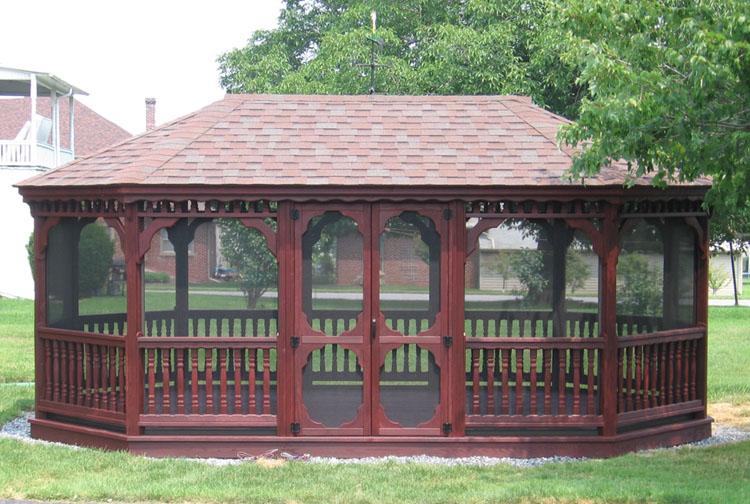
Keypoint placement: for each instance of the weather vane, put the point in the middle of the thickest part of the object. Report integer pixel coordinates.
(375, 41)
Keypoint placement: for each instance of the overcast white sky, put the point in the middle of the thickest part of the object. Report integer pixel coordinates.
(121, 52)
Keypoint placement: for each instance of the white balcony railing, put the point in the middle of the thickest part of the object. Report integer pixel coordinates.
(19, 153)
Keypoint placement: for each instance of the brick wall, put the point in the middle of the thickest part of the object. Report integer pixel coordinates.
(201, 261)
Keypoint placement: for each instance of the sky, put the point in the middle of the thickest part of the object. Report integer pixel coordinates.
(123, 52)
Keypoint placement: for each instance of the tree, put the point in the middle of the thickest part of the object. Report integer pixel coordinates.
(246, 251)
(668, 91)
(431, 47)
(529, 266)
(576, 271)
(639, 289)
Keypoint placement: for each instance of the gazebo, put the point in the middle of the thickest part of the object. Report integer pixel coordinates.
(388, 275)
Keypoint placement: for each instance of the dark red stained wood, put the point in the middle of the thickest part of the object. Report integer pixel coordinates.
(519, 382)
(663, 375)
(251, 399)
(457, 241)
(475, 380)
(285, 369)
(180, 354)
(490, 380)
(150, 352)
(679, 373)
(701, 311)
(133, 363)
(547, 364)
(221, 353)
(638, 402)
(209, 381)
(646, 390)
(653, 368)
(121, 380)
(533, 380)
(80, 384)
(55, 371)
(193, 381)
(671, 358)
(266, 381)
(590, 358)
(112, 379)
(576, 381)
(97, 367)
(659, 412)
(505, 403)
(237, 363)
(693, 368)
(609, 360)
(561, 381)
(89, 375)
(686, 370)
(166, 378)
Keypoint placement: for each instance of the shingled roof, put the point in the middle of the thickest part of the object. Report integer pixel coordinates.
(277, 140)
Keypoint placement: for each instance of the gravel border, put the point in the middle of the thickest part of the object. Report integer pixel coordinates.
(19, 428)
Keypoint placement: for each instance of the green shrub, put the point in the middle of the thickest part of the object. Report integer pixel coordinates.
(156, 277)
(95, 252)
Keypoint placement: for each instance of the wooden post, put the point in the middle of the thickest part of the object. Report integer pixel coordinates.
(134, 274)
(40, 310)
(455, 289)
(178, 236)
(701, 312)
(608, 319)
(284, 355)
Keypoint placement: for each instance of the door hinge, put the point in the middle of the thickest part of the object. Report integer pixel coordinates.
(294, 428)
(447, 214)
(294, 213)
(294, 341)
(447, 341)
(447, 428)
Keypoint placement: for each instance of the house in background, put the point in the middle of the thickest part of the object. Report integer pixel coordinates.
(37, 110)
(720, 269)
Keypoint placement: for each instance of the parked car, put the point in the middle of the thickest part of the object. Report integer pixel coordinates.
(226, 274)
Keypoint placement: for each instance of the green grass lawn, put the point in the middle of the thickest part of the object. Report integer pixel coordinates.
(718, 474)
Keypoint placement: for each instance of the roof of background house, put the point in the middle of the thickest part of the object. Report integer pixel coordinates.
(283, 140)
(92, 131)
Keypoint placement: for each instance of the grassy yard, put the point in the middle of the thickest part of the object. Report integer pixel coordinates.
(716, 474)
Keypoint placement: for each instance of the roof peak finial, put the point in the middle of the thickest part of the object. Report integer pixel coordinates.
(374, 41)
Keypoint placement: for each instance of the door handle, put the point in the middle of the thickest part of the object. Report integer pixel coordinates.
(373, 327)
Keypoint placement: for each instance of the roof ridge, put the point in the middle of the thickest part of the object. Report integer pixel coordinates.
(188, 117)
(538, 108)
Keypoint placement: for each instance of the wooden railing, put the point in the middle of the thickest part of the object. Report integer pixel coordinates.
(658, 375)
(84, 374)
(517, 372)
(215, 323)
(106, 323)
(638, 324)
(189, 378)
(528, 324)
(512, 382)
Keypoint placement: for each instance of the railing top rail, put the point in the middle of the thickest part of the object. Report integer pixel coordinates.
(81, 336)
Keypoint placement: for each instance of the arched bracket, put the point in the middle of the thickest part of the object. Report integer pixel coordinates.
(700, 235)
(144, 239)
(43, 239)
(596, 236)
(116, 224)
(472, 236)
(261, 226)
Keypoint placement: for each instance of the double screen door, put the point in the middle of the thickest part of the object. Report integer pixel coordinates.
(370, 347)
